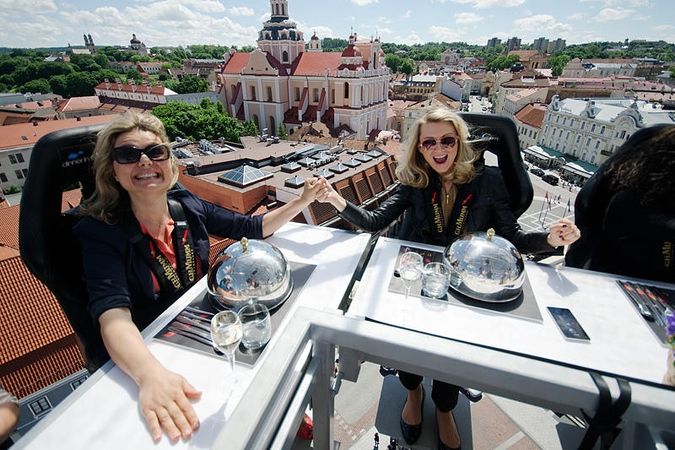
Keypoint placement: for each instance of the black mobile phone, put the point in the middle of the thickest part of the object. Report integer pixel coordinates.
(568, 324)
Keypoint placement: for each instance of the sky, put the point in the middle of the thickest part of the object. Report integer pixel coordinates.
(56, 23)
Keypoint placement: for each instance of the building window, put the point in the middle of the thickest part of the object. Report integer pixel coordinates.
(3, 177)
(253, 93)
(269, 93)
(19, 174)
(316, 96)
(578, 138)
(12, 159)
(346, 90)
(583, 124)
(602, 130)
(593, 128)
(588, 142)
(571, 122)
(297, 94)
(256, 121)
(285, 56)
(332, 95)
(597, 145)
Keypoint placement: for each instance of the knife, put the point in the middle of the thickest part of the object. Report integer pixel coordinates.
(648, 303)
(632, 295)
(190, 335)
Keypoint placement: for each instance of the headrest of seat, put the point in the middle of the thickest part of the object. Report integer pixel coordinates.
(59, 160)
(498, 134)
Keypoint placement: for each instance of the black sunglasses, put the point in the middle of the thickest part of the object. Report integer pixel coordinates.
(446, 142)
(127, 154)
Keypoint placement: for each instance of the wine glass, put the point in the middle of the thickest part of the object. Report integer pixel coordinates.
(226, 332)
(410, 269)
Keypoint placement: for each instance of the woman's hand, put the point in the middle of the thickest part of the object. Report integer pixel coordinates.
(326, 194)
(310, 190)
(563, 232)
(164, 397)
(164, 400)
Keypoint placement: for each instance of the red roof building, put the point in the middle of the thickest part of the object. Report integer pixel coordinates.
(280, 83)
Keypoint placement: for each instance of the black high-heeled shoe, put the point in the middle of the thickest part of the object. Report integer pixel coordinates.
(441, 445)
(411, 433)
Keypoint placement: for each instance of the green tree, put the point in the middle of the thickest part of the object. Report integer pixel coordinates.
(250, 129)
(189, 84)
(133, 74)
(281, 132)
(80, 84)
(40, 85)
(557, 63)
(59, 85)
(407, 67)
(195, 122)
(393, 62)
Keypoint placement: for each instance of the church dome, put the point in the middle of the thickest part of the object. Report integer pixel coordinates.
(351, 51)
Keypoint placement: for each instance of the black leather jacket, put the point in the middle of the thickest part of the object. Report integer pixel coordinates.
(489, 209)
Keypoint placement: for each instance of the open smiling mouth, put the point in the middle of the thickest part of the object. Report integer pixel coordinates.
(440, 159)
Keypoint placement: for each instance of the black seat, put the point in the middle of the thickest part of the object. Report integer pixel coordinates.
(60, 161)
(498, 135)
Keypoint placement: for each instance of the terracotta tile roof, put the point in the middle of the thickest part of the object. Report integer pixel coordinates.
(9, 227)
(80, 103)
(316, 63)
(532, 115)
(32, 355)
(26, 305)
(237, 62)
(12, 136)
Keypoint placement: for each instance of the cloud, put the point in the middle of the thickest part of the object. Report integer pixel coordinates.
(22, 7)
(363, 2)
(483, 4)
(240, 11)
(444, 34)
(410, 39)
(541, 23)
(611, 14)
(467, 18)
(406, 15)
(575, 16)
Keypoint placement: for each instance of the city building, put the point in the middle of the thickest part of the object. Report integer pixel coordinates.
(280, 83)
(17, 141)
(587, 131)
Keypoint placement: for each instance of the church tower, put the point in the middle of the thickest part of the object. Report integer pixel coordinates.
(279, 36)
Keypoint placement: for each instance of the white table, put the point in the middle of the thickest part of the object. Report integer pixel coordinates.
(621, 343)
(103, 412)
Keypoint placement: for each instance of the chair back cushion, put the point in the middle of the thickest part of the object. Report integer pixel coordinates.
(59, 161)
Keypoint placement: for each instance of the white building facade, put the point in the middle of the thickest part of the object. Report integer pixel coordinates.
(592, 129)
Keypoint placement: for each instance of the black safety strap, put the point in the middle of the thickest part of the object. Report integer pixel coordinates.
(608, 414)
(171, 281)
(458, 216)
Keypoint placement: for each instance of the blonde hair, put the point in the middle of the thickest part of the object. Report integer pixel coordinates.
(414, 171)
(110, 200)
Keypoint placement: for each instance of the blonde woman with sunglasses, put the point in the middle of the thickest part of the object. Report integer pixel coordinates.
(144, 244)
(443, 195)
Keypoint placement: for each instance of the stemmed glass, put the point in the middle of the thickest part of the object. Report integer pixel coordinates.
(226, 332)
(410, 269)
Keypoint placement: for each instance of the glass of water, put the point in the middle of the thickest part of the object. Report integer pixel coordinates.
(256, 324)
(435, 279)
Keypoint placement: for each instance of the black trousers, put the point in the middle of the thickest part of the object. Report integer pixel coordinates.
(443, 394)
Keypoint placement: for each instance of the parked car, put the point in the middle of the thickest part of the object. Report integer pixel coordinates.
(537, 171)
(550, 179)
